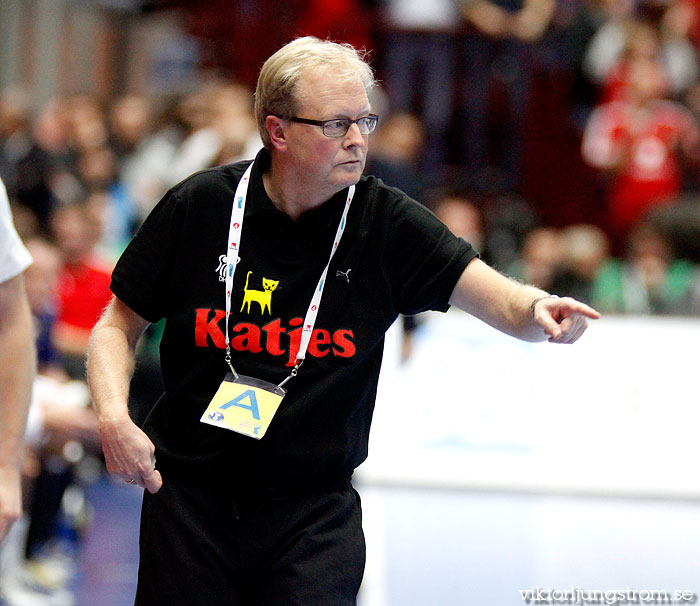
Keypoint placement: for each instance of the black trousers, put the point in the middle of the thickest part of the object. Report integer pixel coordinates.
(200, 546)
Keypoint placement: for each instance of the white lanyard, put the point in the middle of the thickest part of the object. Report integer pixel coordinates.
(234, 240)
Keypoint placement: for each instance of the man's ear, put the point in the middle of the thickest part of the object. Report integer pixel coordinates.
(276, 129)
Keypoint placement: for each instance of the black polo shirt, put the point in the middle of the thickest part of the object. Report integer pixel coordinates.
(394, 257)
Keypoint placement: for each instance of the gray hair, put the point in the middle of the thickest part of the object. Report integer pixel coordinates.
(276, 91)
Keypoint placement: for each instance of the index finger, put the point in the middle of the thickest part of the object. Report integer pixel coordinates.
(574, 306)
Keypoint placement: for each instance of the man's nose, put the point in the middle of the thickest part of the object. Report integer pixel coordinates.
(354, 136)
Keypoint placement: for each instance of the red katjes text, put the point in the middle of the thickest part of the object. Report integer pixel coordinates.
(273, 337)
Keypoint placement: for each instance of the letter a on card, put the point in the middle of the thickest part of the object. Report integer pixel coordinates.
(245, 405)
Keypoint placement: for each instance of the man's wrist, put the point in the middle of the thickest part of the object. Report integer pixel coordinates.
(111, 418)
(537, 300)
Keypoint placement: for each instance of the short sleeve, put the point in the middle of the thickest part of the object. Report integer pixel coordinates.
(425, 259)
(14, 256)
(143, 274)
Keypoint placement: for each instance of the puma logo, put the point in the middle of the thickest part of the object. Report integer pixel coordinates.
(261, 297)
(344, 274)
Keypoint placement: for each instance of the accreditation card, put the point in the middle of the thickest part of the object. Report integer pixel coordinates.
(245, 405)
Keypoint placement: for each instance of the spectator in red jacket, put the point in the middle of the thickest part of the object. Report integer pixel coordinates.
(642, 143)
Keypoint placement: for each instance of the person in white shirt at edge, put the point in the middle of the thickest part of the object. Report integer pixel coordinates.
(17, 364)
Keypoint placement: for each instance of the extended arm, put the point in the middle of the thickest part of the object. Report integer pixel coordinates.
(129, 453)
(17, 368)
(508, 306)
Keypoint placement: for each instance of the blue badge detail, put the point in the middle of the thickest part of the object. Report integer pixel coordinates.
(216, 416)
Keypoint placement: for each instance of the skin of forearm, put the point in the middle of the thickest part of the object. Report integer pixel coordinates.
(508, 309)
(110, 364)
(17, 370)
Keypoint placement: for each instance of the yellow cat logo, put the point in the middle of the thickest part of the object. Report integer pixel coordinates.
(261, 297)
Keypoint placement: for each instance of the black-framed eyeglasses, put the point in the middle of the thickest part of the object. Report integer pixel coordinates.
(338, 127)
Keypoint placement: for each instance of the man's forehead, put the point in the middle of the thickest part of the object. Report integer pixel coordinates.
(325, 89)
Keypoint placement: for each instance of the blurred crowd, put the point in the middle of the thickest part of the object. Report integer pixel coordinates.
(626, 75)
(456, 126)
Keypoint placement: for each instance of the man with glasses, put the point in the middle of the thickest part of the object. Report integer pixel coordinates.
(278, 279)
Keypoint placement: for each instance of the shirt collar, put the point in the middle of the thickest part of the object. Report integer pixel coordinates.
(258, 201)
